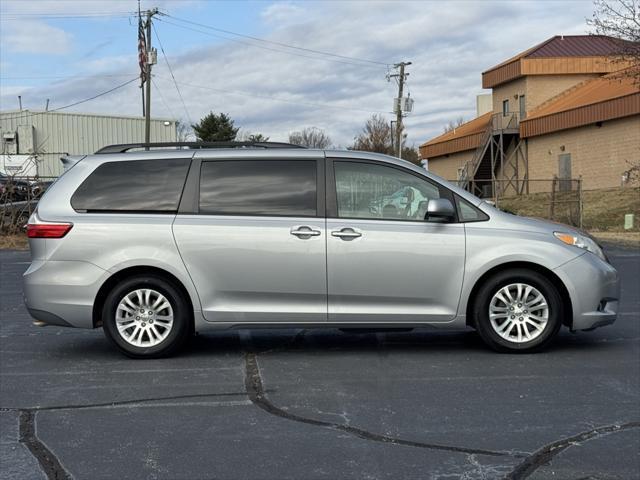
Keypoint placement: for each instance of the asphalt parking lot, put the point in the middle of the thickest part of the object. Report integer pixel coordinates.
(298, 404)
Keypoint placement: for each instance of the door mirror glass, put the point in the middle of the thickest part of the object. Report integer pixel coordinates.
(440, 208)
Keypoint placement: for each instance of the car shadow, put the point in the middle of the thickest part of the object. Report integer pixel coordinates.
(427, 341)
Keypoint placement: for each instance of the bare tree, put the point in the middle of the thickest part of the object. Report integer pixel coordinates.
(631, 177)
(375, 137)
(452, 125)
(244, 136)
(310, 137)
(620, 20)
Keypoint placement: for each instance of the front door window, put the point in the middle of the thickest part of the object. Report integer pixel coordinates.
(366, 190)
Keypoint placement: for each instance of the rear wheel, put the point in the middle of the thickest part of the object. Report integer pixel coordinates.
(146, 317)
(518, 311)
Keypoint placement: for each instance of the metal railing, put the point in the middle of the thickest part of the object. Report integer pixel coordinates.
(505, 121)
(469, 169)
(499, 122)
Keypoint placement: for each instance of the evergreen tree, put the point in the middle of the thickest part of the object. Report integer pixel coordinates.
(215, 128)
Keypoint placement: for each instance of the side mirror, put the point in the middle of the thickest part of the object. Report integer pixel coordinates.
(440, 208)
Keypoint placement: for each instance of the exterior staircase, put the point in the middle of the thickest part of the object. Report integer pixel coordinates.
(479, 167)
(470, 168)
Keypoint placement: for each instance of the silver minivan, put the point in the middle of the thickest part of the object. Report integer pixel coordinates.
(154, 245)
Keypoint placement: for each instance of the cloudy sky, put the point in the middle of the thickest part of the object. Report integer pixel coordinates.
(71, 50)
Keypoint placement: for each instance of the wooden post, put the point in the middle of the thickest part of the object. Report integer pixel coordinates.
(553, 198)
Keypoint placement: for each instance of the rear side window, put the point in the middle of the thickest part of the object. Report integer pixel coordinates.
(135, 186)
(259, 187)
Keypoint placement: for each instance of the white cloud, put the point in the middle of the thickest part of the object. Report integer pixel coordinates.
(284, 13)
(450, 44)
(33, 36)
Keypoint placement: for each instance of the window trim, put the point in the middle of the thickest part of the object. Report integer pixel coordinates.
(191, 204)
(332, 197)
(505, 103)
(93, 211)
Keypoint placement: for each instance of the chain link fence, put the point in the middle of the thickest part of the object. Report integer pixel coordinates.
(18, 199)
(559, 200)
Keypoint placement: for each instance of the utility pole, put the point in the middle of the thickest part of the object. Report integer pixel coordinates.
(151, 60)
(402, 77)
(393, 135)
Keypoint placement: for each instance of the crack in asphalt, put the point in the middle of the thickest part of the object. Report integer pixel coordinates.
(48, 461)
(50, 464)
(258, 395)
(545, 454)
(121, 402)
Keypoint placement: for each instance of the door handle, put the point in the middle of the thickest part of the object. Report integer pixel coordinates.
(346, 233)
(304, 231)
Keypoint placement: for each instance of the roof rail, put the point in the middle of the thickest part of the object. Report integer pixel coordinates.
(125, 147)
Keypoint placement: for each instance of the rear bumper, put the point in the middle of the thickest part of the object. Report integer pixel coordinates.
(62, 292)
(594, 288)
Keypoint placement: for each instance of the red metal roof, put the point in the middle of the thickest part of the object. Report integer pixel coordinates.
(578, 46)
(605, 98)
(465, 137)
(555, 56)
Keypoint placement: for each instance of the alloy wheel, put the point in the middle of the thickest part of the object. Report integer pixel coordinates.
(518, 312)
(144, 317)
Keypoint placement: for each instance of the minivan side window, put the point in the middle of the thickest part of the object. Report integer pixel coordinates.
(153, 186)
(368, 190)
(259, 187)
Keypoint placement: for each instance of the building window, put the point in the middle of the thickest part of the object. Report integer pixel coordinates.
(523, 107)
(505, 107)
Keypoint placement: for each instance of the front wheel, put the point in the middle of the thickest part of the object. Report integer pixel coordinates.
(518, 311)
(146, 317)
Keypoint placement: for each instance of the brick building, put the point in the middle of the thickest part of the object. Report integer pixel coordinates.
(566, 108)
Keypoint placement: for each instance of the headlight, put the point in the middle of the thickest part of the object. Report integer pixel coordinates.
(581, 241)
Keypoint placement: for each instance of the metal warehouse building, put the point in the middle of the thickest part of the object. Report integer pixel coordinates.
(34, 141)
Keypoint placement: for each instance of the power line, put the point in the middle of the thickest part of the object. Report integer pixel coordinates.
(276, 99)
(166, 105)
(263, 47)
(30, 114)
(155, 30)
(36, 77)
(280, 44)
(64, 16)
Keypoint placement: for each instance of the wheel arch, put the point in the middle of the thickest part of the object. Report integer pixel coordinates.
(567, 314)
(120, 275)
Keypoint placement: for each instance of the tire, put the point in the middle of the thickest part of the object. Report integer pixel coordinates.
(161, 330)
(517, 326)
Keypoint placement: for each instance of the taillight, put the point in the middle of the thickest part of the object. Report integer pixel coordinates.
(48, 230)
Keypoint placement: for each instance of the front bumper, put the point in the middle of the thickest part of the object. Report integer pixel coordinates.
(594, 288)
(62, 292)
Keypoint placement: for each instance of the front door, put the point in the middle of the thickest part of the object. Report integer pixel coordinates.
(564, 171)
(256, 246)
(385, 263)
